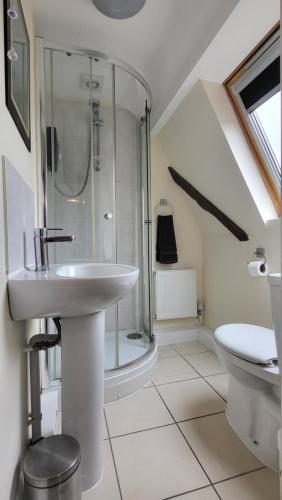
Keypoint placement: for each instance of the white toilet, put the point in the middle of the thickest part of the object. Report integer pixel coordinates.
(249, 353)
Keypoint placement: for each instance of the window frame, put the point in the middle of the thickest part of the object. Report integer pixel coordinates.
(259, 157)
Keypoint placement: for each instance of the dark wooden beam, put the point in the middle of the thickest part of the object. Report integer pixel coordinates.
(208, 205)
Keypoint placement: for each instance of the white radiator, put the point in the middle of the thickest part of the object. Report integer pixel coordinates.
(176, 294)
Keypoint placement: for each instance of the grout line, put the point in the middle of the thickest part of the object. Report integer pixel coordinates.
(200, 416)
(166, 425)
(216, 492)
(202, 376)
(143, 430)
(214, 484)
(173, 347)
(177, 381)
(169, 356)
(114, 461)
(189, 353)
(214, 388)
(179, 495)
(185, 438)
(239, 475)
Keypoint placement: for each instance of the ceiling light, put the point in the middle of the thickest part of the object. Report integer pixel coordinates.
(119, 9)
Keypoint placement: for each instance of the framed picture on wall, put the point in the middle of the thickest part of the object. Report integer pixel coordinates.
(17, 67)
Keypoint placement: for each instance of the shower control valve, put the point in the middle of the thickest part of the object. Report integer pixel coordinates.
(108, 216)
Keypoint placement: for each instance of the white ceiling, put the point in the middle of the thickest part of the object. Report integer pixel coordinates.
(163, 42)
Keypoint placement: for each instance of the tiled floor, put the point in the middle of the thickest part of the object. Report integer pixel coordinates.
(171, 439)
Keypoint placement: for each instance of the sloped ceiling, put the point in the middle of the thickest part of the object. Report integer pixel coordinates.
(163, 42)
(196, 147)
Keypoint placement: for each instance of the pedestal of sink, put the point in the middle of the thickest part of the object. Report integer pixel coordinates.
(83, 390)
(78, 294)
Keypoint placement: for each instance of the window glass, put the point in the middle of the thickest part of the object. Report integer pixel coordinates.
(269, 117)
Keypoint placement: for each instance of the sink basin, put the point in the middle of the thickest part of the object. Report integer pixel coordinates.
(69, 290)
(79, 295)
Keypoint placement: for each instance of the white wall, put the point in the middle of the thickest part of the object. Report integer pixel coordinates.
(13, 416)
(231, 295)
(187, 231)
(195, 144)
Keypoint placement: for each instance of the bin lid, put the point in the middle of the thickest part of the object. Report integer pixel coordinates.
(51, 461)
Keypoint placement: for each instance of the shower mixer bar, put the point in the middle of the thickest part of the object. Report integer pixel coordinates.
(97, 122)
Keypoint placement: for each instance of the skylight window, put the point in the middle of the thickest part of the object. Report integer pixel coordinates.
(255, 92)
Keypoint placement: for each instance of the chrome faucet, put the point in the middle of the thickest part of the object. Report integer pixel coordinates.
(41, 240)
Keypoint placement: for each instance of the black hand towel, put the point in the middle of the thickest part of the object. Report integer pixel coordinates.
(166, 244)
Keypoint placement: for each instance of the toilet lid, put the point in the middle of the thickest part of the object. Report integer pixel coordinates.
(250, 342)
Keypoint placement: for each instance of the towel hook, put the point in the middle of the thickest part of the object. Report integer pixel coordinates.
(164, 207)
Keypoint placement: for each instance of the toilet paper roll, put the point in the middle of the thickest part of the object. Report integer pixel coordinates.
(258, 268)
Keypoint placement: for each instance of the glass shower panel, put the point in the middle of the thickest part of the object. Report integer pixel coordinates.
(130, 101)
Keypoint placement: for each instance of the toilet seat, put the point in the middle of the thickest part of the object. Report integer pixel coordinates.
(251, 343)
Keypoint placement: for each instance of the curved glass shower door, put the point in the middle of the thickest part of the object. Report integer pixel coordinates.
(98, 183)
(80, 156)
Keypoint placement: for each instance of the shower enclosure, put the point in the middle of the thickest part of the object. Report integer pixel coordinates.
(96, 180)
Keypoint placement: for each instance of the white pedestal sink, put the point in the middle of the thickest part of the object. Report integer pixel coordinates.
(79, 295)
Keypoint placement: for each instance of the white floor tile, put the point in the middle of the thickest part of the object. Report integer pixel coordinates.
(171, 370)
(218, 448)
(107, 488)
(167, 351)
(191, 398)
(142, 410)
(203, 494)
(220, 383)
(193, 347)
(206, 363)
(259, 485)
(156, 464)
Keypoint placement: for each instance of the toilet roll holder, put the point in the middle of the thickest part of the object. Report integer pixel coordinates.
(260, 254)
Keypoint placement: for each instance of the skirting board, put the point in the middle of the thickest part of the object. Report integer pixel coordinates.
(206, 337)
(172, 336)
